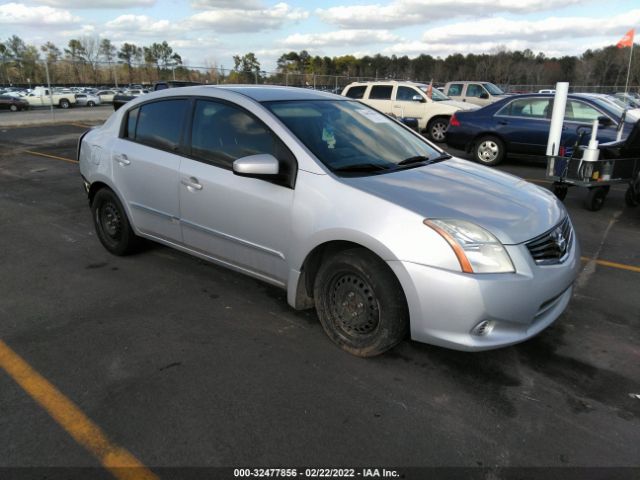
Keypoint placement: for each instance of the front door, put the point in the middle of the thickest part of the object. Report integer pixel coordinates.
(239, 221)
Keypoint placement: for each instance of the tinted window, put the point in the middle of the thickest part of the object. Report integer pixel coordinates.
(455, 90)
(580, 112)
(474, 90)
(222, 133)
(160, 123)
(380, 92)
(527, 107)
(406, 94)
(356, 92)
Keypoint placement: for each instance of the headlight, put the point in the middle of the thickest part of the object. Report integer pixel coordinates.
(478, 251)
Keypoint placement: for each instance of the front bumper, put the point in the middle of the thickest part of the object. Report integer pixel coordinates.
(445, 307)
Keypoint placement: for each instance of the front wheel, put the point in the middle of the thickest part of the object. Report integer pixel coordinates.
(360, 303)
(595, 198)
(437, 129)
(112, 225)
(489, 151)
(13, 108)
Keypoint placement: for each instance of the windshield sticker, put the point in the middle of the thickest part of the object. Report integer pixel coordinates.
(329, 137)
(373, 116)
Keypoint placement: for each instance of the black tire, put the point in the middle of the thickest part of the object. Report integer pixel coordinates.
(13, 108)
(112, 225)
(595, 198)
(437, 129)
(560, 191)
(91, 103)
(631, 197)
(489, 150)
(360, 303)
(64, 103)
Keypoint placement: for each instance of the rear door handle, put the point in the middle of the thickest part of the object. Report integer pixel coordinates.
(191, 183)
(503, 122)
(122, 159)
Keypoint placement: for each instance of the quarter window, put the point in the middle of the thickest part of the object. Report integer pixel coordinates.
(356, 92)
(380, 92)
(158, 124)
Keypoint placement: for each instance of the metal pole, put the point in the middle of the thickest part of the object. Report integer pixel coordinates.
(286, 79)
(626, 86)
(173, 69)
(46, 69)
(256, 75)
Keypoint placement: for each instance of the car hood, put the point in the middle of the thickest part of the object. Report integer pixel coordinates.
(460, 105)
(511, 208)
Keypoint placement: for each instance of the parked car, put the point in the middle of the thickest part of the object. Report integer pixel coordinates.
(628, 98)
(478, 93)
(87, 99)
(519, 125)
(343, 207)
(40, 96)
(106, 96)
(130, 94)
(8, 102)
(408, 99)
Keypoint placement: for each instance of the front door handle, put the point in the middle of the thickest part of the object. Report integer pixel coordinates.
(122, 159)
(191, 183)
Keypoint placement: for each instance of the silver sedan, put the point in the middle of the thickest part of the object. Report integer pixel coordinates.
(346, 209)
(87, 99)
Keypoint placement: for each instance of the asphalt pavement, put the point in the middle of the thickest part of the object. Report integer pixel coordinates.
(184, 363)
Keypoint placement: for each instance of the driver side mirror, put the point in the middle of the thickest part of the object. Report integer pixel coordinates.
(417, 98)
(257, 166)
(604, 121)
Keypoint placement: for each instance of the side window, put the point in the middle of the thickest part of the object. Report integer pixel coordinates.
(380, 92)
(160, 123)
(474, 90)
(580, 112)
(455, 90)
(526, 107)
(356, 92)
(222, 133)
(406, 94)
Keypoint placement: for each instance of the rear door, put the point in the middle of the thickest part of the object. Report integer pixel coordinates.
(524, 125)
(455, 91)
(146, 166)
(239, 221)
(380, 98)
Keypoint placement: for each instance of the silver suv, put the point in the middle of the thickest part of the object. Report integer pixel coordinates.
(343, 207)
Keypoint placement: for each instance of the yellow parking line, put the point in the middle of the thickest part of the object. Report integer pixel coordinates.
(606, 263)
(121, 464)
(47, 155)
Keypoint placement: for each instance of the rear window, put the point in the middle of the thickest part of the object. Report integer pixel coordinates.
(157, 124)
(356, 92)
(380, 92)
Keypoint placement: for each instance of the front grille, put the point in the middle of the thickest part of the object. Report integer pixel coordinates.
(551, 247)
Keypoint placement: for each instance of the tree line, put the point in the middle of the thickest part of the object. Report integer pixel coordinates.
(89, 60)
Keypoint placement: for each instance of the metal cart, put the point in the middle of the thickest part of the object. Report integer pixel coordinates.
(596, 176)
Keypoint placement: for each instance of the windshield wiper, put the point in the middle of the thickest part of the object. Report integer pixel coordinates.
(361, 167)
(423, 159)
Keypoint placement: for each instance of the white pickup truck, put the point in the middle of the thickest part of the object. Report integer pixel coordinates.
(41, 97)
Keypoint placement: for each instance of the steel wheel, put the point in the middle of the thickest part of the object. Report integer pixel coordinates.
(112, 225)
(353, 307)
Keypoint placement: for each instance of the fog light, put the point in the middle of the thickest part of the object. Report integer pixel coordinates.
(483, 329)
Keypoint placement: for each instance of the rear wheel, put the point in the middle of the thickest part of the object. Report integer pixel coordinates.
(64, 103)
(360, 303)
(91, 103)
(489, 150)
(112, 225)
(437, 129)
(13, 108)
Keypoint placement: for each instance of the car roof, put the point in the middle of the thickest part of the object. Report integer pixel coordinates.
(270, 93)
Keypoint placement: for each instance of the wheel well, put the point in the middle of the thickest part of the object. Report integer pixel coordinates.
(311, 265)
(438, 117)
(94, 188)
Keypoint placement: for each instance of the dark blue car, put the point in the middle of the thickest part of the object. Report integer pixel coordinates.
(519, 125)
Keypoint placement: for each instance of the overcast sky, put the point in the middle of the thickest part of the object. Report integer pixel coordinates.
(207, 32)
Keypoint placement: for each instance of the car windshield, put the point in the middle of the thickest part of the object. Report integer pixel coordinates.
(348, 136)
(492, 89)
(436, 95)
